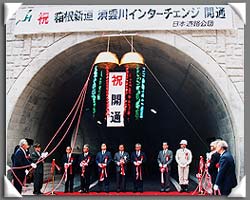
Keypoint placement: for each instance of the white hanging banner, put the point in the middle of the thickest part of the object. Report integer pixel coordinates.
(82, 18)
(116, 94)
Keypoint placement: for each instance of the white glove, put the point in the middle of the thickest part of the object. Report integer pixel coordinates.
(160, 165)
(118, 163)
(44, 154)
(99, 164)
(139, 162)
(66, 165)
(216, 187)
(26, 172)
(81, 164)
(165, 165)
(86, 164)
(33, 165)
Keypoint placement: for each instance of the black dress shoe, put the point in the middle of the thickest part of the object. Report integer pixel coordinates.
(167, 189)
(162, 190)
(185, 188)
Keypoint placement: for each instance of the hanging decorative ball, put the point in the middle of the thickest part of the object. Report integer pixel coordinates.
(132, 59)
(106, 59)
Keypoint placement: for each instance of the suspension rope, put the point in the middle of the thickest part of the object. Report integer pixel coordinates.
(169, 96)
(83, 91)
(56, 133)
(75, 137)
(16, 177)
(80, 101)
(40, 160)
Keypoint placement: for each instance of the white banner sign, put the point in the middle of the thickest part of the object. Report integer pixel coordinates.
(81, 18)
(116, 95)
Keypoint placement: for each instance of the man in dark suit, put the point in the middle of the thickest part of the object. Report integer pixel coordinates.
(103, 159)
(19, 160)
(164, 159)
(138, 159)
(214, 158)
(226, 177)
(38, 172)
(85, 162)
(69, 162)
(121, 160)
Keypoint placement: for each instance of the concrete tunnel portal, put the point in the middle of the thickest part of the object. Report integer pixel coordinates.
(51, 93)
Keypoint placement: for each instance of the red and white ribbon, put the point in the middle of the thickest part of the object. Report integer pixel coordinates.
(84, 164)
(164, 169)
(53, 165)
(66, 166)
(139, 169)
(201, 165)
(104, 170)
(122, 163)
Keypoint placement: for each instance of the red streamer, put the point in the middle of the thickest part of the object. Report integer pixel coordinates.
(107, 90)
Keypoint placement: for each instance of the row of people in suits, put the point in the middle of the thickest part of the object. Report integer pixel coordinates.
(221, 168)
(121, 160)
(103, 160)
(86, 159)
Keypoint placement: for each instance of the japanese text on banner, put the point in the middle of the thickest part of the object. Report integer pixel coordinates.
(116, 94)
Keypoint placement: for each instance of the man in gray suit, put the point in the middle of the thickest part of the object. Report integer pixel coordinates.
(121, 159)
(165, 158)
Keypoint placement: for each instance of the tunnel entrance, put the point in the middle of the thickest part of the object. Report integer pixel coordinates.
(53, 90)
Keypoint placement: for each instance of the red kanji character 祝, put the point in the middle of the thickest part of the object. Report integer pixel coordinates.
(43, 18)
(117, 80)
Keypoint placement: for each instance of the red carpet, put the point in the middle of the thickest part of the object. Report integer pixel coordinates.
(146, 193)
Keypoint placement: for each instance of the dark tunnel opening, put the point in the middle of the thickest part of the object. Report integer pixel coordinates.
(181, 76)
